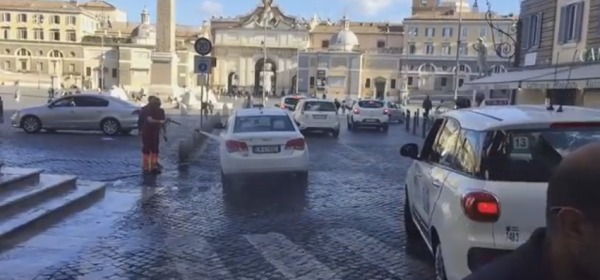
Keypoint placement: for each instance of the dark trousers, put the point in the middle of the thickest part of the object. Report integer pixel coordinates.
(150, 141)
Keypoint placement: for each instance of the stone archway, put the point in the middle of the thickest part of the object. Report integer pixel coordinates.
(258, 68)
(232, 82)
(294, 82)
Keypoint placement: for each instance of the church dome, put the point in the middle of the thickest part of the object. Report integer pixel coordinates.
(345, 40)
(143, 31)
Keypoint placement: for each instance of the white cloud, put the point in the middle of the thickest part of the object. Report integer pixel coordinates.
(372, 7)
(211, 8)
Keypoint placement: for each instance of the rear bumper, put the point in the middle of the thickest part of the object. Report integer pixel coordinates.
(231, 165)
(478, 257)
(319, 126)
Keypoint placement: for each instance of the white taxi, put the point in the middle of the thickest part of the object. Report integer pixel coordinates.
(476, 190)
(259, 141)
(317, 115)
(368, 113)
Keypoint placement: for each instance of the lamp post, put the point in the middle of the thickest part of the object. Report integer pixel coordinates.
(264, 64)
(404, 66)
(508, 49)
(104, 21)
(458, 43)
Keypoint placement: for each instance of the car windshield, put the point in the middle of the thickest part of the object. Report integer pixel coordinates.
(370, 104)
(262, 124)
(319, 106)
(530, 155)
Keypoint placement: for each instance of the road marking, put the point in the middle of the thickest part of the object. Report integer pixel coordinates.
(373, 250)
(206, 263)
(359, 152)
(289, 259)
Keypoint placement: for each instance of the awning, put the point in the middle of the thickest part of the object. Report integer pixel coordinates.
(507, 80)
(587, 76)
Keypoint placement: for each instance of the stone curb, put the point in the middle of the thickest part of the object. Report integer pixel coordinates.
(196, 139)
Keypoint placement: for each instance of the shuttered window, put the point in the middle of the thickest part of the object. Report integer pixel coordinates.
(571, 22)
(532, 31)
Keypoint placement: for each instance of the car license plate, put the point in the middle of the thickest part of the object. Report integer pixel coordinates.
(272, 149)
(370, 120)
(320, 117)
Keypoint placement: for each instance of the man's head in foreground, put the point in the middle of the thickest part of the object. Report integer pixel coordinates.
(573, 213)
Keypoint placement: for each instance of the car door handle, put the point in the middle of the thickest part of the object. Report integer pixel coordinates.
(436, 183)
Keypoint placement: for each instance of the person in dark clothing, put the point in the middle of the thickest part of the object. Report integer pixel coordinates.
(337, 104)
(153, 119)
(427, 105)
(569, 247)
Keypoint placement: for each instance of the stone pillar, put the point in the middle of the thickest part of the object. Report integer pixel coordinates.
(163, 73)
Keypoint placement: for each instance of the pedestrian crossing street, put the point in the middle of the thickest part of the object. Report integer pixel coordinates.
(353, 254)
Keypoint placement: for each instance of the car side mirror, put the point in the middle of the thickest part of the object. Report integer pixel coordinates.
(219, 126)
(410, 150)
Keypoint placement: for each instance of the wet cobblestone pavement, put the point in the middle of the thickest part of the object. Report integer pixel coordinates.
(347, 224)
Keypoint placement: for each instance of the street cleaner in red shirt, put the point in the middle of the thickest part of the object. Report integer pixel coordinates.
(153, 118)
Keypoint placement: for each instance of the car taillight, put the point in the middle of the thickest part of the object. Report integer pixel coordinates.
(481, 207)
(295, 144)
(135, 112)
(234, 146)
(386, 111)
(574, 124)
(356, 111)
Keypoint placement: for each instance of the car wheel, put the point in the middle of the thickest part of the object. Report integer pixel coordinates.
(440, 270)
(412, 232)
(335, 133)
(110, 126)
(31, 124)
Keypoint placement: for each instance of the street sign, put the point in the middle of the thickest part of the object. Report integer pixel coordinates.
(203, 64)
(203, 46)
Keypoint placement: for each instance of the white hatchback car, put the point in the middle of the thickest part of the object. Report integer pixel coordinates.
(317, 115)
(368, 113)
(477, 188)
(259, 141)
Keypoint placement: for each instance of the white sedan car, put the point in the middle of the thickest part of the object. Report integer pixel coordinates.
(317, 115)
(260, 141)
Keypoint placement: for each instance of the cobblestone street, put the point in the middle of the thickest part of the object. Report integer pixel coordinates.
(346, 225)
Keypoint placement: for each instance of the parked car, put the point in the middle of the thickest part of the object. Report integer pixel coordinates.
(261, 141)
(368, 113)
(395, 112)
(80, 112)
(476, 190)
(317, 115)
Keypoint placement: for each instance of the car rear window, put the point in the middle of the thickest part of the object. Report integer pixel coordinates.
(531, 155)
(291, 101)
(262, 124)
(370, 104)
(319, 106)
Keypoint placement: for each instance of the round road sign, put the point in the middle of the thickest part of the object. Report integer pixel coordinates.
(203, 46)
(203, 67)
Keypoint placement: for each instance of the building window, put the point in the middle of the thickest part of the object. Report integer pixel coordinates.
(368, 83)
(115, 73)
(380, 44)
(5, 33)
(446, 49)
(312, 82)
(5, 17)
(23, 65)
(393, 83)
(71, 36)
(447, 32)
(38, 18)
(55, 19)
(409, 81)
(465, 32)
(88, 71)
(414, 31)
(571, 19)
(412, 48)
(532, 30)
(325, 44)
(429, 32)
(55, 35)
(40, 67)
(463, 49)
(429, 49)
(38, 34)
(22, 18)
(72, 20)
(483, 32)
(461, 82)
(71, 68)
(444, 81)
(424, 3)
(22, 33)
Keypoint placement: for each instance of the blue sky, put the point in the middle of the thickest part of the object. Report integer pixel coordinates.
(192, 12)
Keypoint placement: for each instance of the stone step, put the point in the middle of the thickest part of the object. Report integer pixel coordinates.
(20, 199)
(23, 225)
(12, 178)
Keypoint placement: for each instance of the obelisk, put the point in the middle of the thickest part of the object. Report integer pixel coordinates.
(163, 73)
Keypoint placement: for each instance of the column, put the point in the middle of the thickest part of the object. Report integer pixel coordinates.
(163, 73)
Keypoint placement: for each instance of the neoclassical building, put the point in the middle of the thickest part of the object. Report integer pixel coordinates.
(240, 48)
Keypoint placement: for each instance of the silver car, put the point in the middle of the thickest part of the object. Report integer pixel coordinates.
(80, 112)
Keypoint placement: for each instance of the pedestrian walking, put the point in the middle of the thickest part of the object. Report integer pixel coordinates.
(569, 246)
(427, 105)
(18, 95)
(337, 104)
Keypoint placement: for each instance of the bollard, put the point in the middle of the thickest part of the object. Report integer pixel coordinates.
(424, 126)
(415, 122)
(418, 116)
(1, 110)
(407, 120)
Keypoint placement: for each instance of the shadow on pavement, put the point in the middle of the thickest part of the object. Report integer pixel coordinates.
(266, 196)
